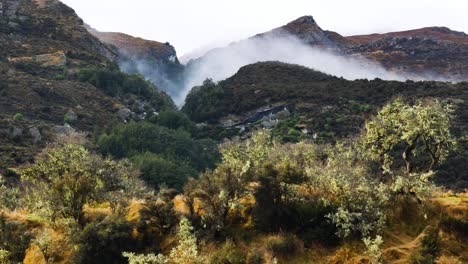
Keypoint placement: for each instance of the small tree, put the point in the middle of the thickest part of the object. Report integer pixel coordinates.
(67, 177)
(187, 249)
(421, 130)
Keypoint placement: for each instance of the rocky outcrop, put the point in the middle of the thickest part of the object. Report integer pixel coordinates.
(306, 29)
(155, 60)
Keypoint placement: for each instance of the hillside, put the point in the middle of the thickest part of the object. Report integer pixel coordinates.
(323, 107)
(45, 52)
(156, 61)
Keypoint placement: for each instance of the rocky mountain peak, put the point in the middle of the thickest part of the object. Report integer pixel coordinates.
(308, 20)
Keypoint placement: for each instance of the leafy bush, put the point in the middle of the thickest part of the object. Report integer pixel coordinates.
(157, 171)
(204, 102)
(18, 117)
(104, 242)
(187, 249)
(174, 120)
(163, 154)
(69, 176)
(14, 240)
(284, 244)
(145, 259)
(229, 253)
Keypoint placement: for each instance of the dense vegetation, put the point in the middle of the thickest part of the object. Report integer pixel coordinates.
(163, 150)
(330, 108)
(116, 83)
(264, 202)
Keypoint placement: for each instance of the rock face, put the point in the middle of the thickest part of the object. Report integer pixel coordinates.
(155, 60)
(306, 29)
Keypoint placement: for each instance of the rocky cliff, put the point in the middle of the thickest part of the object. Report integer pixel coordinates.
(155, 60)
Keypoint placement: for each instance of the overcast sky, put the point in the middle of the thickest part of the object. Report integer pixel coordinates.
(195, 24)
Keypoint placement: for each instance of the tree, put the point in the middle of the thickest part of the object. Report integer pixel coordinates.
(187, 250)
(67, 177)
(422, 131)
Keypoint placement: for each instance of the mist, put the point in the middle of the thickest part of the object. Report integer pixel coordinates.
(222, 63)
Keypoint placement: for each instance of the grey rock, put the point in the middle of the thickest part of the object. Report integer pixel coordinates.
(72, 116)
(16, 132)
(268, 124)
(63, 130)
(124, 113)
(35, 134)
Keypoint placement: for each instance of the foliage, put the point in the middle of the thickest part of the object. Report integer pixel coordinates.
(68, 177)
(117, 83)
(8, 195)
(187, 249)
(373, 248)
(4, 256)
(203, 102)
(284, 244)
(417, 131)
(14, 239)
(430, 247)
(145, 259)
(174, 120)
(285, 130)
(18, 117)
(157, 171)
(164, 155)
(229, 253)
(104, 242)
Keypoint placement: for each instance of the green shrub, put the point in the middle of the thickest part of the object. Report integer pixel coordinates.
(229, 253)
(18, 117)
(174, 120)
(104, 242)
(157, 171)
(14, 239)
(204, 102)
(117, 83)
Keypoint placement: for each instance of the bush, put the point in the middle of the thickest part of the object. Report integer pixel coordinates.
(18, 117)
(157, 171)
(228, 254)
(162, 154)
(284, 244)
(104, 242)
(204, 102)
(14, 240)
(174, 120)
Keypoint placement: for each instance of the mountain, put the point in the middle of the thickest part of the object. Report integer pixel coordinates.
(155, 60)
(52, 72)
(434, 53)
(298, 102)
(306, 29)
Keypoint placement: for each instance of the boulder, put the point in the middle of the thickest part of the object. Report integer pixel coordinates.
(35, 134)
(63, 130)
(16, 132)
(124, 113)
(71, 116)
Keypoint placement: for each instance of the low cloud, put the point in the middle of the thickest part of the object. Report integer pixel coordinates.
(222, 63)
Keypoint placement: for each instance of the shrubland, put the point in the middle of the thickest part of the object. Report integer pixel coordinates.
(263, 201)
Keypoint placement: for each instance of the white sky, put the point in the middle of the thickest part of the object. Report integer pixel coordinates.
(195, 24)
